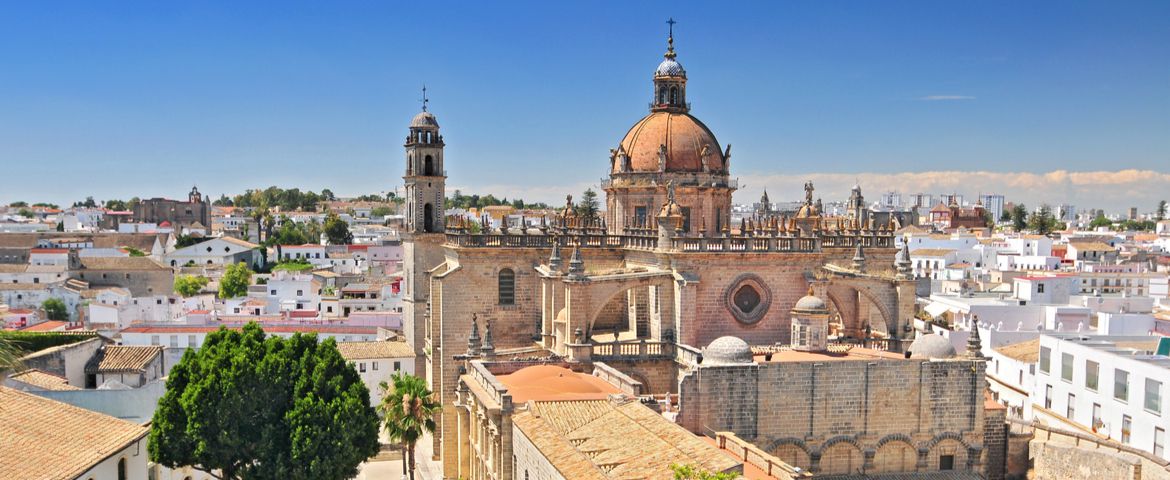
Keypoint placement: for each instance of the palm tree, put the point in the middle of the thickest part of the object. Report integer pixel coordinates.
(9, 356)
(409, 408)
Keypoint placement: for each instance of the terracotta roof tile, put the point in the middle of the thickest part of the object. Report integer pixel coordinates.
(123, 358)
(43, 380)
(602, 439)
(50, 440)
(370, 350)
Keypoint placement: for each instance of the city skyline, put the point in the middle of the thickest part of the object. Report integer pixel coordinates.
(1044, 102)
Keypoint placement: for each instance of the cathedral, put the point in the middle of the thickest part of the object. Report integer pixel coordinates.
(659, 285)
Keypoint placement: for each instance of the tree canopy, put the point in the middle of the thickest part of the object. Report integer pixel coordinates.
(467, 202)
(55, 309)
(190, 285)
(257, 407)
(235, 281)
(588, 206)
(337, 231)
(1019, 217)
(1043, 222)
(409, 408)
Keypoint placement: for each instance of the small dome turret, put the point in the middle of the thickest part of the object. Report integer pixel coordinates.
(727, 350)
(932, 346)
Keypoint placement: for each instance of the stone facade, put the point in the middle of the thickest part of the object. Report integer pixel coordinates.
(843, 416)
(197, 209)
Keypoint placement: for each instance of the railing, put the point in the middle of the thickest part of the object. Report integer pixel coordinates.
(646, 239)
(769, 464)
(632, 349)
(731, 183)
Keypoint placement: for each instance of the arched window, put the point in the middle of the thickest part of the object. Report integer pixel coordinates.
(428, 218)
(122, 469)
(507, 284)
(673, 95)
(428, 166)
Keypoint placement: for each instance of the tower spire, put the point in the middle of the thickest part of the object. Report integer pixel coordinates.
(670, 38)
(424, 97)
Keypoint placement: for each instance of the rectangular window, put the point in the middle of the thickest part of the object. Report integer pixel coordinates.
(174, 341)
(191, 341)
(1045, 359)
(1092, 369)
(397, 366)
(374, 365)
(1121, 385)
(1040, 288)
(154, 339)
(1071, 412)
(946, 462)
(1066, 367)
(640, 215)
(1097, 417)
(274, 291)
(300, 293)
(1048, 397)
(1126, 425)
(362, 367)
(1153, 396)
(1159, 439)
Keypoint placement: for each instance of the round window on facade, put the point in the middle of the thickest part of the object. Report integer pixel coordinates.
(748, 298)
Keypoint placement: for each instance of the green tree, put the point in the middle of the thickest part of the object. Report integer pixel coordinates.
(26, 213)
(9, 356)
(381, 211)
(337, 231)
(55, 309)
(409, 409)
(692, 472)
(235, 281)
(190, 285)
(18, 204)
(1005, 216)
(327, 195)
(115, 205)
(187, 240)
(60, 226)
(588, 206)
(257, 407)
(1019, 217)
(1160, 213)
(1100, 221)
(48, 205)
(133, 203)
(1043, 222)
(134, 252)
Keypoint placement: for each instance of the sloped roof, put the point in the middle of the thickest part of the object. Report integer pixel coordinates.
(372, 350)
(43, 380)
(123, 358)
(122, 263)
(49, 440)
(602, 439)
(1027, 351)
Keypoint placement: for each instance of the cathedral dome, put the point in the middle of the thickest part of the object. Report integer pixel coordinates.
(424, 119)
(932, 346)
(727, 350)
(670, 67)
(685, 138)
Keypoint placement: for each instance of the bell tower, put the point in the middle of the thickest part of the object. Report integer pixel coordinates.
(425, 177)
(423, 235)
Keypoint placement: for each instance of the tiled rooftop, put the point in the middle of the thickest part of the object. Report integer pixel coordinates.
(49, 440)
(371, 350)
(603, 439)
(43, 380)
(123, 358)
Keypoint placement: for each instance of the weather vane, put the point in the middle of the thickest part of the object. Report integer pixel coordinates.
(424, 98)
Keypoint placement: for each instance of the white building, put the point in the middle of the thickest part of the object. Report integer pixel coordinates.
(376, 361)
(217, 251)
(1113, 385)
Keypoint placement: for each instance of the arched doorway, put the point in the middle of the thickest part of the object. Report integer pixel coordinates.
(428, 166)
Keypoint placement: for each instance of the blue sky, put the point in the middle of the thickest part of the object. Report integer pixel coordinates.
(146, 98)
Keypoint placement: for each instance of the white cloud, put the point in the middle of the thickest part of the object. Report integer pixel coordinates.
(935, 98)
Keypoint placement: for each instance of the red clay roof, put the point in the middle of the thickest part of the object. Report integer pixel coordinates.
(550, 382)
